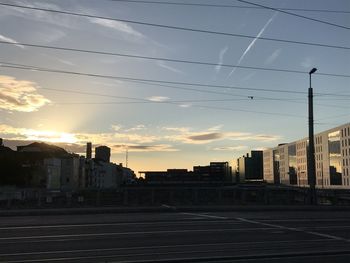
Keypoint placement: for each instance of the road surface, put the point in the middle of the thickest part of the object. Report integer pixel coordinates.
(273, 236)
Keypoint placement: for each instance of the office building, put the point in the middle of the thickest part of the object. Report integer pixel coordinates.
(287, 163)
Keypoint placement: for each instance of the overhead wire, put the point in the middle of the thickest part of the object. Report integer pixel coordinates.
(177, 104)
(249, 98)
(294, 14)
(228, 6)
(204, 63)
(226, 87)
(178, 27)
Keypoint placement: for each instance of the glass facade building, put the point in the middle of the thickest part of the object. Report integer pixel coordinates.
(288, 163)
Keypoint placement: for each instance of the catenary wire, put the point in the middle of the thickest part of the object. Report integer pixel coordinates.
(188, 29)
(177, 104)
(33, 68)
(294, 14)
(204, 63)
(228, 6)
(246, 98)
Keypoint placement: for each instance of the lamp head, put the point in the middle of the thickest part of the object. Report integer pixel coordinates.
(313, 71)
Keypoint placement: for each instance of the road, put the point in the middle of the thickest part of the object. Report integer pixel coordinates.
(273, 236)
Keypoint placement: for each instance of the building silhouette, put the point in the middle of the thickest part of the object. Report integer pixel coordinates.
(250, 167)
(103, 153)
(88, 150)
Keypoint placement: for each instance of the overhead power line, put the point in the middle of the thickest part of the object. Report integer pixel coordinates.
(227, 6)
(188, 29)
(159, 82)
(204, 63)
(225, 87)
(179, 104)
(294, 14)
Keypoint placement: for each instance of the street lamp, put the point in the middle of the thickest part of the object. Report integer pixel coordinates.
(311, 156)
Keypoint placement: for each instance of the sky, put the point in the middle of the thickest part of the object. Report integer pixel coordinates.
(170, 114)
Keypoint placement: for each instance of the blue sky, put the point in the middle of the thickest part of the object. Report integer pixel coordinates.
(170, 126)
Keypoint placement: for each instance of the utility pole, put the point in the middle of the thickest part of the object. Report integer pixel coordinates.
(311, 153)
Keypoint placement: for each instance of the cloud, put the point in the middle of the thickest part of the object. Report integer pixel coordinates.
(236, 136)
(14, 133)
(116, 127)
(195, 137)
(63, 61)
(231, 148)
(205, 136)
(221, 59)
(208, 136)
(307, 63)
(7, 39)
(158, 98)
(176, 129)
(20, 95)
(172, 69)
(137, 128)
(273, 57)
(38, 15)
(144, 148)
(111, 138)
(185, 105)
(118, 26)
(253, 42)
(215, 128)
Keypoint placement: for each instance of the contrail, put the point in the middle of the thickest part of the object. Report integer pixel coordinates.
(253, 42)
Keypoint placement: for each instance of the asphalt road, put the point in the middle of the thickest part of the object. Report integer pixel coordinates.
(178, 237)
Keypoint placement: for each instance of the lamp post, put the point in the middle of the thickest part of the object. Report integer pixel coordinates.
(311, 153)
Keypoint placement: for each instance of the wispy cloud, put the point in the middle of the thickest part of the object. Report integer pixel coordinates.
(172, 69)
(273, 56)
(237, 136)
(7, 39)
(221, 59)
(118, 26)
(176, 129)
(144, 148)
(76, 142)
(158, 98)
(208, 136)
(231, 148)
(253, 42)
(185, 105)
(63, 61)
(216, 128)
(307, 63)
(14, 133)
(37, 15)
(205, 137)
(138, 127)
(20, 95)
